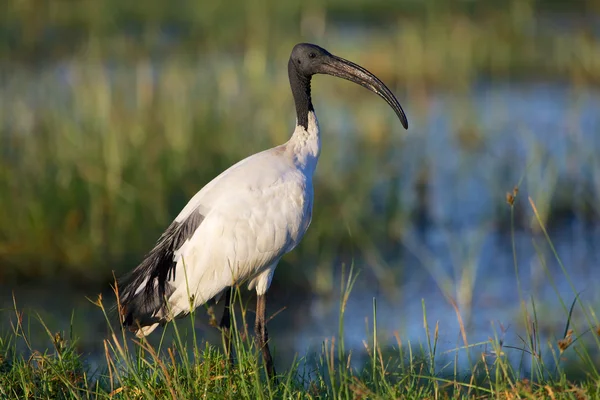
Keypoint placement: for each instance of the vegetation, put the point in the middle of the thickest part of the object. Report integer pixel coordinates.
(115, 113)
(179, 366)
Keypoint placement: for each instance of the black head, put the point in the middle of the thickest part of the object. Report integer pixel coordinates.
(309, 59)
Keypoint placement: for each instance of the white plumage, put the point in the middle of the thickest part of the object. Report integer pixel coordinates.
(254, 213)
(237, 228)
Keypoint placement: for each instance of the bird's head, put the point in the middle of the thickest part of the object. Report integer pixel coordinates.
(309, 59)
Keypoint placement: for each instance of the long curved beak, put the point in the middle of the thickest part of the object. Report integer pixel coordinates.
(337, 66)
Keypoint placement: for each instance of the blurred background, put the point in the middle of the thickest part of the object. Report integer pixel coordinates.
(113, 114)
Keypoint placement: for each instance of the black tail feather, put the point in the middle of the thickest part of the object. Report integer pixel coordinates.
(142, 307)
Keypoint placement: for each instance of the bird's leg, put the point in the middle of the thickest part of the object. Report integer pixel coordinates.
(262, 336)
(225, 326)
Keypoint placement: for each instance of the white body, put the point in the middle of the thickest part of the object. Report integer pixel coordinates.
(254, 212)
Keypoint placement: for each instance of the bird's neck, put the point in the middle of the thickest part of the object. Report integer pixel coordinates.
(305, 142)
(300, 85)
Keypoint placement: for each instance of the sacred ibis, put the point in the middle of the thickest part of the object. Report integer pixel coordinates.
(238, 226)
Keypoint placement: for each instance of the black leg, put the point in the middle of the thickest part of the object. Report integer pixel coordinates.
(262, 336)
(225, 326)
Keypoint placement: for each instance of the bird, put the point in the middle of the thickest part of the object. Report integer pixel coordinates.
(239, 225)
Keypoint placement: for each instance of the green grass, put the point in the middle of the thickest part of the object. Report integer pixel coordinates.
(180, 366)
(182, 369)
(88, 182)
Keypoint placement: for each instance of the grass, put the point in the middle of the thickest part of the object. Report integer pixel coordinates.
(184, 367)
(113, 117)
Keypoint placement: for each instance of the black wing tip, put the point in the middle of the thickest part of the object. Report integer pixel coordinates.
(139, 307)
(138, 314)
(135, 309)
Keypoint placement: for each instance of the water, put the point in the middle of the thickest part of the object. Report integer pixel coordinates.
(543, 135)
(305, 321)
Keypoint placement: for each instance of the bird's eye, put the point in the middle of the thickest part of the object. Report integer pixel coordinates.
(312, 55)
(299, 61)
